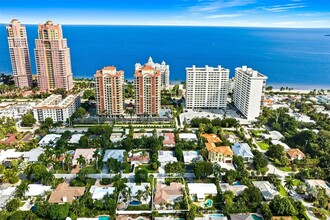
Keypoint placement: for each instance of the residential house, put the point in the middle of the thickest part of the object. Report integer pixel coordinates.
(273, 135)
(6, 195)
(116, 137)
(222, 154)
(169, 140)
(98, 192)
(75, 138)
(267, 189)
(115, 154)
(86, 153)
(165, 157)
(168, 194)
(9, 154)
(37, 190)
(49, 140)
(33, 155)
(295, 154)
(278, 142)
(188, 156)
(243, 150)
(139, 158)
(236, 189)
(245, 216)
(199, 191)
(64, 193)
(188, 137)
(140, 135)
(10, 139)
(313, 183)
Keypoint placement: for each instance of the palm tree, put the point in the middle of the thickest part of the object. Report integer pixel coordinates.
(96, 155)
(147, 192)
(22, 189)
(129, 193)
(68, 160)
(81, 160)
(139, 194)
(47, 178)
(289, 182)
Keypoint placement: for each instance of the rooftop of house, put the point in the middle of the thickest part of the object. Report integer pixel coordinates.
(49, 139)
(169, 139)
(75, 138)
(189, 155)
(211, 138)
(135, 187)
(98, 192)
(33, 154)
(115, 154)
(202, 188)
(188, 136)
(9, 139)
(65, 193)
(225, 150)
(37, 190)
(242, 149)
(166, 156)
(236, 189)
(267, 189)
(163, 192)
(87, 153)
(319, 183)
(294, 153)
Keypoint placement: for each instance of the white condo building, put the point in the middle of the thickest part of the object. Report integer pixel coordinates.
(163, 68)
(248, 91)
(207, 87)
(56, 108)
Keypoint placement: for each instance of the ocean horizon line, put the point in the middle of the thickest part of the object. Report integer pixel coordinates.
(176, 25)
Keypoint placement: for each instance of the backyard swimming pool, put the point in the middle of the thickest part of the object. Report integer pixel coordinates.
(135, 203)
(207, 204)
(70, 152)
(104, 218)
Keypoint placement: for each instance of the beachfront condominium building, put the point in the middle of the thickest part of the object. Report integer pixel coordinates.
(53, 60)
(109, 87)
(147, 82)
(56, 108)
(248, 91)
(163, 68)
(19, 54)
(207, 87)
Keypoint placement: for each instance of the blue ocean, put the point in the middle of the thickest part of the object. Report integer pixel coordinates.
(298, 58)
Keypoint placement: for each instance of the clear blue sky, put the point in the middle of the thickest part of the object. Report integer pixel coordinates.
(257, 13)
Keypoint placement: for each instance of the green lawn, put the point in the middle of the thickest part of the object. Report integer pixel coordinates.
(89, 170)
(282, 191)
(285, 169)
(263, 145)
(147, 167)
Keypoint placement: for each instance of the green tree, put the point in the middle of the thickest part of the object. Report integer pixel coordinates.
(22, 188)
(58, 212)
(28, 120)
(289, 182)
(141, 176)
(282, 206)
(48, 123)
(13, 205)
(203, 169)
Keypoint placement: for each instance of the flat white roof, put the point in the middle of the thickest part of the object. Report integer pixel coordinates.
(205, 188)
(134, 187)
(189, 155)
(98, 192)
(115, 154)
(37, 190)
(9, 153)
(75, 138)
(277, 142)
(33, 154)
(166, 156)
(49, 138)
(187, 136)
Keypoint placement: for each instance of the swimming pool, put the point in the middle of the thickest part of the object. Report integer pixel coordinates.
(256, 217)
(207, 204)
(135, 203)
(70, 152)
(104, 218)
(237, 183)
(216, 216)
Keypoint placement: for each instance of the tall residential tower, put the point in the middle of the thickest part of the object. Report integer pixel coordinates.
(109, 91)
(207, 87)
(19, 54)
(53, 60)
(248, 91)
(147, 82)
(163, 68)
